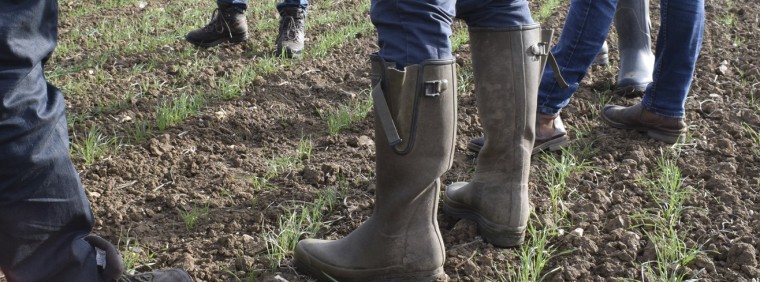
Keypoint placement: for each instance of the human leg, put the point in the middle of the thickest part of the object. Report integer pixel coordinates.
(44, 214)
(415, 111)
(660, 113)
(635, 47)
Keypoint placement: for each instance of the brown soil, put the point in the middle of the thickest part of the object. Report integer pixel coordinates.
(139, 191)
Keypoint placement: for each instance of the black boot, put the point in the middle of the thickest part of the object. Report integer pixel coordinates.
(227, 25)
(290, 38)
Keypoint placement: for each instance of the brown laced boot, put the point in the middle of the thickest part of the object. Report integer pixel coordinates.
(227, 24)
(112, 267)
(291, 35)
(663, 128)
(550, 134)
(415, 125)
(497, 196)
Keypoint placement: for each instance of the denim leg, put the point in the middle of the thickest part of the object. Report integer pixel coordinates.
(586, 28)
(242, 4)
(494, 13)
(292, 3)
(682, 24)
(412, 31)
(44, 213)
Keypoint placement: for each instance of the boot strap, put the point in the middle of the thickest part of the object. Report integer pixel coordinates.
(543, 50)
(383, 114)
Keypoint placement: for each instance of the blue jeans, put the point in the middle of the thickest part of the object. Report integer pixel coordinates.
(410, 32)
(678, 43)
(44, 213)
(280, 6)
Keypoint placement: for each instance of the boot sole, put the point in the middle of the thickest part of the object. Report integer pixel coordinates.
(314, 267)
(670, 137)
(630, 91)
(498, 235)
(234, 39)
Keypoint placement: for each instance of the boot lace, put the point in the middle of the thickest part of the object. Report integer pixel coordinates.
(218, 23)
(289, 28)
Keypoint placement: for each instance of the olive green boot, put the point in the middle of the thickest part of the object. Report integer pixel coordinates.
(415, 112)
(507, 64)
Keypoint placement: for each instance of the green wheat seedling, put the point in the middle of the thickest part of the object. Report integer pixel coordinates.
(665, 187)
(460, 37)
(534, 256)
(347, 114)
(260, 183)
(546, 9)
(278, 165)
(193, 215)
(729, 18)
(173, 112)
(305, 147)
(94, 145)
(136, 256)
(140, 131)
(465, 78)
(754, 135)
(559, 169)
(304, 219)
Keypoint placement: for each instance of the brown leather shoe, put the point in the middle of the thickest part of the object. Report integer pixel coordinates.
(227, 24)
(659, 127)
(550, 134)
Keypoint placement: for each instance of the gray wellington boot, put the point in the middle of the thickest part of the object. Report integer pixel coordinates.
(603, 57)
(635, 45)
(415, 112)
(507, 67)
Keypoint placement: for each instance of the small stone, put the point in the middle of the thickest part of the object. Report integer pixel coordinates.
(577, 232)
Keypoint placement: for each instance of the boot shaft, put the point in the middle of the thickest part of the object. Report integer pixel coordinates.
(507, 66)
(418, 106)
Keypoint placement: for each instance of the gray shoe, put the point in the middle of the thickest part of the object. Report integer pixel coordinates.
(291, 35)
(114, 266)
(227, 24)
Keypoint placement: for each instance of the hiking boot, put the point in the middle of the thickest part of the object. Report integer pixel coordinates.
(290, 38)
(111, 266)
(667, 129)
(227, 24)
(550, 134)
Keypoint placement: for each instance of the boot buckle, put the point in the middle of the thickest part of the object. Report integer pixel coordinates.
(434, 88)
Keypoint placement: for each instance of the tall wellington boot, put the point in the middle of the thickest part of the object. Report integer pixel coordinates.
(603, 57)
(635, 45)
(415, 112)
(507, 67)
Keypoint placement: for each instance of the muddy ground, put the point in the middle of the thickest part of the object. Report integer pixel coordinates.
(139, 191)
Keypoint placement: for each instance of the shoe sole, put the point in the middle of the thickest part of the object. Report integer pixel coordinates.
(630, 91)
(234, 39)
(499, 236)
(670, 137)
(552, 145)
(308, 264)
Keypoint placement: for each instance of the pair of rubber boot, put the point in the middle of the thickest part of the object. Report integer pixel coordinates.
(635, 46)
(228, 24)
(415, 129)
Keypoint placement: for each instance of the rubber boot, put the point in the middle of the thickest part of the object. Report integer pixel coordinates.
(415, 125)
(507, 89)
(603, 57)
(227, 24)
(635, 45)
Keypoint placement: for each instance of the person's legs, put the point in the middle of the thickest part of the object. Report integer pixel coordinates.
(415, 114)
(303, 4)
(584, 32)
(660, 113)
